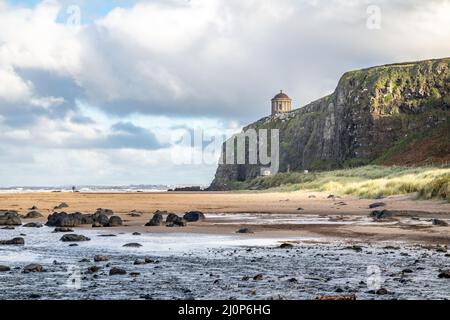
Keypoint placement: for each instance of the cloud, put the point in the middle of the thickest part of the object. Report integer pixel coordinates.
(109, 94)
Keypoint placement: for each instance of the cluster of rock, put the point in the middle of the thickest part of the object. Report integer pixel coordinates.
(98, 219)
(173, 220)
(9, 218)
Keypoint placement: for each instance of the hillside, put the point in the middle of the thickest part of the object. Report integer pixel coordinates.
(391, 114)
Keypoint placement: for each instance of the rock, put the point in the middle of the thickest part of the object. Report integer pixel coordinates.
(135, 213)
(258, 277)
(156, 221)
(63, 219)
(73, 245)
(62, 205)
(194, 216)
(377, 205)
(407, 271)
(107, 212)
(293, 280)
(132, 245)
(336, 298)
(245, 230)
(33, 225)
(62, 230)
(33, 215)
(74, 238)
(381, 292)
(101, 219)
(34, 296)
(173, 220)
(93, 269)
(382, 215)
(9, 218)
(300, 209)
(99, 258)
(115, 221)
(331, 196)
(440, 223)
(355, 248)
(34, 267)
(139, 262)
(16, 241)
(117, 271)
(148, 260)
(444, 274)
(286, 246)
(8, 228)
(135, 274)
(33, 208)
(4, 268)
(136, 234)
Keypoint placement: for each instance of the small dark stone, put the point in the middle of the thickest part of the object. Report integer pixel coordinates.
(377, 205)
(33, 225)
(99, 258)
(258, 277)
(286, 246)
(117, 271)
(381, 292)
(132, 245)
(136, 234)
(34, 267)
(407, 271)
(74, 238)
(245, 230)
(62, 230)
(93, 269)
(16, 241)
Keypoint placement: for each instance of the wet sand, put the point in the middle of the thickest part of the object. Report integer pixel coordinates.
(349, 214)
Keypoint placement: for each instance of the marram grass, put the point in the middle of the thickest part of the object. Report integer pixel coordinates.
(365, 182)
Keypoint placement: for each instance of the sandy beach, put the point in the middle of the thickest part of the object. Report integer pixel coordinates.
(312, 214)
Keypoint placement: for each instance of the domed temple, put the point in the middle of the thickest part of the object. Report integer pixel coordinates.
(281, 103)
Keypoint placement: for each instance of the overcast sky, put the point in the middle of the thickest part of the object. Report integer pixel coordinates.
(100, 102)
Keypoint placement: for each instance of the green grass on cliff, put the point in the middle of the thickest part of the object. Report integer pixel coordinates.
(365, 182)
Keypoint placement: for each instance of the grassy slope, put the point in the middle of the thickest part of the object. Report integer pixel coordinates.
(367, 182)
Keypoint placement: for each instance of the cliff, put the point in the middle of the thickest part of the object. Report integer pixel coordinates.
(376, 115)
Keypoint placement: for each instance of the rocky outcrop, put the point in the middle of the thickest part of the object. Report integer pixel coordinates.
(371, 113)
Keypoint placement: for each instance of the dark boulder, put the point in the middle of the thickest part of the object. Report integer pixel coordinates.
(194, 216)
(33, 215)
(440, 223)
(382, 215)
(117, 271)
(286, 246)
(4, 268)
(33, 225)
(9, 218)
(74, 238)
(34, 267)
(173, 220)
(156, 221)
(63, 219)
(100, 219)
(13, 242)
(115, 221)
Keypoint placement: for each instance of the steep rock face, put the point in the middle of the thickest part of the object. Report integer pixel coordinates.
(368, 113)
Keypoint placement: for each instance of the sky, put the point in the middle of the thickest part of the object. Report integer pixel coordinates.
(107, 92)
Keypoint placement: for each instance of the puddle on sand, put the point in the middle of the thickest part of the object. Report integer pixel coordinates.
(213, 267)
